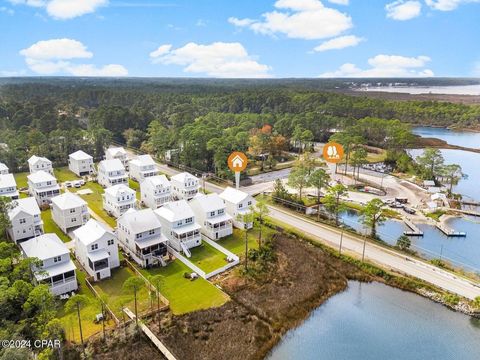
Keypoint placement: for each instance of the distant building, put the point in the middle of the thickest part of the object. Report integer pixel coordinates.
(39, 163)
(117, 153)
(111, 172)
(8, 186)
(184, 186)
(3, 169)
(238, 204)
(69, 211)
(210, 212)
(96, 249)
(43, 187)
(118, 199)
(25, 220)
(179, 226)
(80, 163)
(57, 270)
(155, 191)
(142, 167)
(140, 235)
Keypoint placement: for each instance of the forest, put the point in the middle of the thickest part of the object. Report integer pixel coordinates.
(200, 120)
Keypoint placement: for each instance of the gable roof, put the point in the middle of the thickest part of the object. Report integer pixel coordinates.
(143, 160)
(233, 195)
(184, 176)
(27, 205)
(119, 190)
(41, 176)
(7, 180)
(111, 165)
(91, 232)
(175, 211)
(68, 200)
(140, 220)
(44, 247)
(34, 159)
(157, 180)
(80, 155)
(210, 202)
(3, 167)
(115, 151)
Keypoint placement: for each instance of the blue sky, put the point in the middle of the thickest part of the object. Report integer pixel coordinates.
(247, 38)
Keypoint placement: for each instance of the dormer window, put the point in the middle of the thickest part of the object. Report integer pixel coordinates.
(212, 213)
(94, 247)
(57, 259)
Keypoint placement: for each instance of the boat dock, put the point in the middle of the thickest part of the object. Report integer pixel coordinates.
(414, 230)
(449, 231)
(464, 211)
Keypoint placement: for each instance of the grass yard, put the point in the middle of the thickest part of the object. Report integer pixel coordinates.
(186, 295)
(64, 174)
(95, 202)
(135, 186)
(236, 242)
(21, 179)
(87, 314)
(49, 226)
(207, 258)
(116, 298)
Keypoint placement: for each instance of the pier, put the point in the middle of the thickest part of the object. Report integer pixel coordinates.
(464, 211)
(414, 230)
(449, 231)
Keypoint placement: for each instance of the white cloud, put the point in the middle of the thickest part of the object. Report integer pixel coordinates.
(476, 69)
(386, 66)
(299, 19)
(64, 9)
(219, 59)
(339, 43)
(447, 5)
(403, 10)
(339, 2)
(6, 10)
(49, 57)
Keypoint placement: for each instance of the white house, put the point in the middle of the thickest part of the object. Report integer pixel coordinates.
(43, 187)
(57, 269)
(69, 211)
(142, 167)
(25, 220)
(3, 169)
(155, 191)
(184, 186)
(140, 235)
(40, 163)
(96, 249)
(80, 163)
(118, 199)
(238, 204)
(111, 172)
(8, 186)
(210, 212)
(117, 153)
(179, 226)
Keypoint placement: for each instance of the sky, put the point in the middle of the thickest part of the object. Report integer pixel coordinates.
(240, 38)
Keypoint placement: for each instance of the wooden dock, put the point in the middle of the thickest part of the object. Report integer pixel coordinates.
(464, 211)
(414, 230)
(449, 231)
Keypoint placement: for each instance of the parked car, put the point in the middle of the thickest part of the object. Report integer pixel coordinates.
(409, 210)
(68, 184)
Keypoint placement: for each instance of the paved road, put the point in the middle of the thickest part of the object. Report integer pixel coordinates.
(385, 257)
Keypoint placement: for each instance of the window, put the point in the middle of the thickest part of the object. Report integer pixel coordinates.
(94, 247)
(23, 221)
(221, 211)
(212, 213)
(189, 220)
(240, 206)
(110, 242)
(138, 236)
(151, 232)
(57, 259)
(249, 203)
(74, 219)
(72, 211)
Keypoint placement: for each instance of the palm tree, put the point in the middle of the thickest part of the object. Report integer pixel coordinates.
(260, 211)
(76, 302)
(134, 284)
(156, 280)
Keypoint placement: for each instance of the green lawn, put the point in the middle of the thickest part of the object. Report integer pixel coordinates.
(21, 179)
(207, 257)
(116, 298)
(135, 186)
(64, 174)
(49, 226)
(95, 202)
(88, 313)
(236, 242)
(186, 295)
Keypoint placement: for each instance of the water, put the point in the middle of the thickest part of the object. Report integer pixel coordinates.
(449, 90)
(375, 321)
(462, 252)
(470, 163)
(453, 137)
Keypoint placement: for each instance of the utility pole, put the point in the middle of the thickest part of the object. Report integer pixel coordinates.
(341, 240)
(364, 245)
